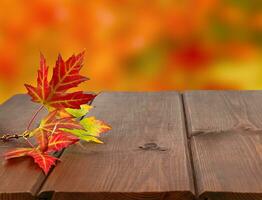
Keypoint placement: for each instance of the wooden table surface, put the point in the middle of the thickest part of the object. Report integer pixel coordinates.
(163, 146)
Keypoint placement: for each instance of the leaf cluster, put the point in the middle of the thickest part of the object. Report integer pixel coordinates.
(65, 123)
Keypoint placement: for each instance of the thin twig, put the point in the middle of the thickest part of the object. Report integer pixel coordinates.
(26, 139)
(8, 137)
(33, 118)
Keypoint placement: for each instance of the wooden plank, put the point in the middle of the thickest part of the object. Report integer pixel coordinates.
(226, 143)
(145, 155)
(218, 111)
(20, 178)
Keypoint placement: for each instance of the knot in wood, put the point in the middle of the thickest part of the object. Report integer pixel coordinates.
(152, 146)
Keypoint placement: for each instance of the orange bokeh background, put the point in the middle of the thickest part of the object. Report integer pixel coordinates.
(135, 44)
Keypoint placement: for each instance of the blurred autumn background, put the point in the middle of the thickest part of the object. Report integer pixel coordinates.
(135, 44)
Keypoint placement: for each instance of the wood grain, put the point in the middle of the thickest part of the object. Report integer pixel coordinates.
(145, 156)
(20, 178)
(218, 111)
(226, 143)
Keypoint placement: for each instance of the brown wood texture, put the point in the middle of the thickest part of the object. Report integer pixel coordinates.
(226, 142)
(219, 111)
(145, 155)
(20, 178)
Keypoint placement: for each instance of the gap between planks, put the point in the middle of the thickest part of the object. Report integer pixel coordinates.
(186, 124)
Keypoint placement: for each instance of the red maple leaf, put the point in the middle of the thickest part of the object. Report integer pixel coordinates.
(44, 160)
(52, 125)
(66, 75)
(60, 141)
(19, 152)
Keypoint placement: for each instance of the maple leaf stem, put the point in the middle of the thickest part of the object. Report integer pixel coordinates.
(34, 116)
(26, 139)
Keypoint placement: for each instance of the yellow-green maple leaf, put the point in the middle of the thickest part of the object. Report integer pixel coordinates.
(82, 134)
(92, 129)
(78, 113)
